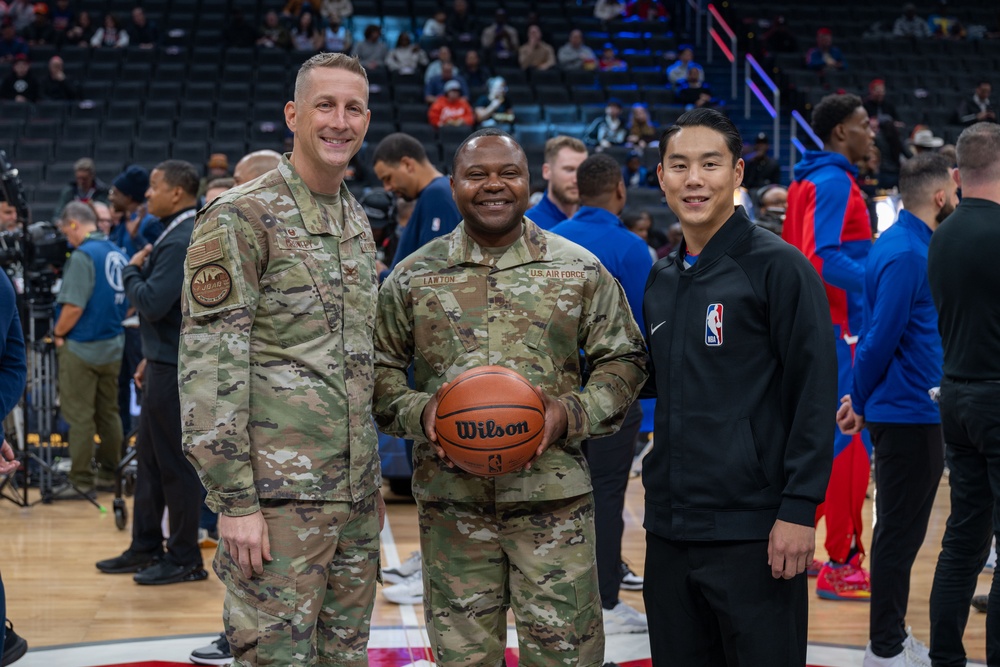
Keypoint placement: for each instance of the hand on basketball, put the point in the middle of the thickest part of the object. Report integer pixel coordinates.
(8, 462)
(556, 423)
(245, 538)
(790, 549)
(429, 418)
(848, 420)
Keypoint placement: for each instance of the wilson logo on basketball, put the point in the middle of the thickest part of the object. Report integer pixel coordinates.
(469, 430)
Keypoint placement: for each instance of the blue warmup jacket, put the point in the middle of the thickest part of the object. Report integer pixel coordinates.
(545, 213)
(899, 356)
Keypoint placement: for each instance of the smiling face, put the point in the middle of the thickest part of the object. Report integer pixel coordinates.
(698, 177)
(329, 118)
(491, 189)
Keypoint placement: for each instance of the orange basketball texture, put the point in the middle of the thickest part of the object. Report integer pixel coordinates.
(490, 421)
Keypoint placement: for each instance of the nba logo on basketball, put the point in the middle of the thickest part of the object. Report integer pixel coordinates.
(713, 325)
(495, 463)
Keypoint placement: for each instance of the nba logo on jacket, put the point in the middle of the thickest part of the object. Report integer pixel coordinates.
(713, 325)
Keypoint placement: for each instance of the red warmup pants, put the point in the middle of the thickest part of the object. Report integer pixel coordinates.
(845, 493)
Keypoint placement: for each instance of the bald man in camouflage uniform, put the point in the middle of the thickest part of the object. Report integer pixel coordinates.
(276, 381)
(510, 294)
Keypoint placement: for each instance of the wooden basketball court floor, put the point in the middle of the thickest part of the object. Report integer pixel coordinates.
(55, 596)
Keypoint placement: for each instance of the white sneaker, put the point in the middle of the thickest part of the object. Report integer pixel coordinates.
(623, 620)
(408, 591)
(396, 575)
(915, 654)
(630, 580)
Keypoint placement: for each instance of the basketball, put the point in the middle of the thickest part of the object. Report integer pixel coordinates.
(490, 421)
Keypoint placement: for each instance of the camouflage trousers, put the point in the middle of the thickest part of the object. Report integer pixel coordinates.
(313, 603)
(537, 558)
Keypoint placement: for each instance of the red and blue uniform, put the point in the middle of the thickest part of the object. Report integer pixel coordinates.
(827, 219)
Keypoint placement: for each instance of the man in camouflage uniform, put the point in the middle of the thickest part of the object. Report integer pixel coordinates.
(276, 381)
(499, 290)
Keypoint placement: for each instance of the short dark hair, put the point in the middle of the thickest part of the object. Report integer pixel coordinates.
(396, 146)
(598, 175)
(485, 132)
(978, 149)
(919, 173)
(831, 111)
(712, 119)
(180, 174)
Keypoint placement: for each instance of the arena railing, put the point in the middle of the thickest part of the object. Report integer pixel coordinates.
(772, 105)
(729, 51)
(797, 122)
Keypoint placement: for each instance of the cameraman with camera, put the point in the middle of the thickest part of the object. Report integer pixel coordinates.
(89, 341)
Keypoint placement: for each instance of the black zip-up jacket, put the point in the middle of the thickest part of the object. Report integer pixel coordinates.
(744, 370)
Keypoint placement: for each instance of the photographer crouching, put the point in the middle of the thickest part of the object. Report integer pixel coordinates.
(89, 341)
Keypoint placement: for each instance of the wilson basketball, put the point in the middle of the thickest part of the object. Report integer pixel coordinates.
(490, 421)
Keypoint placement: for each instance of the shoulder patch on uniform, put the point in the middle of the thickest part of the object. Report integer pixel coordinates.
(203, 253)
(211, 285)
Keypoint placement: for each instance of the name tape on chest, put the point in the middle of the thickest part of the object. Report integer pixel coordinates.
(434, 281)
(558, 274)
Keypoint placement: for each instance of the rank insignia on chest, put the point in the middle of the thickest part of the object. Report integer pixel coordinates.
(211, 285)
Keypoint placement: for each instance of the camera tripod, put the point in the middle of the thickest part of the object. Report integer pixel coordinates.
(40, 404)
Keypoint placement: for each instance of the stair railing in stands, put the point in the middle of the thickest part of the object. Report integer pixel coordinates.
(729, 51)
(772, 105)
(694, 17)
(797, 122)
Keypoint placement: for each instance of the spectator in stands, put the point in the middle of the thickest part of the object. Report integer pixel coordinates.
(679, 73)
(62, 20)
(562, 197)
(273, 35)
(463, 27)
(254, 165)
(342, 8)
(978, 108)
(634, 173)
(608, 10)
(306, 36)
(336, 38)
(56, 85)
(911, 25)
(642, 131)
(893, 152)
(10, 44)
(451, 107)
(40, 32)
(769, 208)
(534, 53)
(85, 187)
(293, 8)
(137, 228)
(372, 50)
(646, 10)
(89, 339)
(868, 180)
(609, 129)
(476, 73)
(82, 30)
(435, 31)
(20, 85)
(216, 167)
(499, 40)
(434, 69)
(825, 56)
(406, 57)
(778, 39)
(110, 34)
(675, 235)
(924, 141)
(143, 32)
(493, 108)
(640, 223)
(610, 62)
(695, 91)
(401, 163)
(21, 12)
(760, 168)
(876, 105)
(436, 86)
(575, 55)
(238, 33)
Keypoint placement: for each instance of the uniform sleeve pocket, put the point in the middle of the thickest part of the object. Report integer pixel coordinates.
(199, 381)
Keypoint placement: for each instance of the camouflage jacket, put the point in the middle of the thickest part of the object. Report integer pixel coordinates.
(275, 365)
(451, 307)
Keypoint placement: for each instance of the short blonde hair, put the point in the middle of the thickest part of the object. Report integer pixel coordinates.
(557, 143)
(332, 61)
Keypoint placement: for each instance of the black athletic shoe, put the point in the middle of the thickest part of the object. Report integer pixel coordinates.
(166, 572)
(129, 561)
(14, 646)
(979, 602)
(216, 653)
(630, 580)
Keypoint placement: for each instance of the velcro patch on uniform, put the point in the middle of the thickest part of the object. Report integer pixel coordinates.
(434, 281)
(203, 253)
(211, 285)
(297, 239)
(368, 247)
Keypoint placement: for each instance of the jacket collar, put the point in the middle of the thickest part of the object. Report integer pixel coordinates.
(530, 247)
(734, 229)
(354, 223)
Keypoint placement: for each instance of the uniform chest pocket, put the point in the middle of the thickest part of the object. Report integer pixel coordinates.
(295, 306)
(440, 334)
(553, 328)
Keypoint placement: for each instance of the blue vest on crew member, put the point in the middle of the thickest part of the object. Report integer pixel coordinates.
(102, 318)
